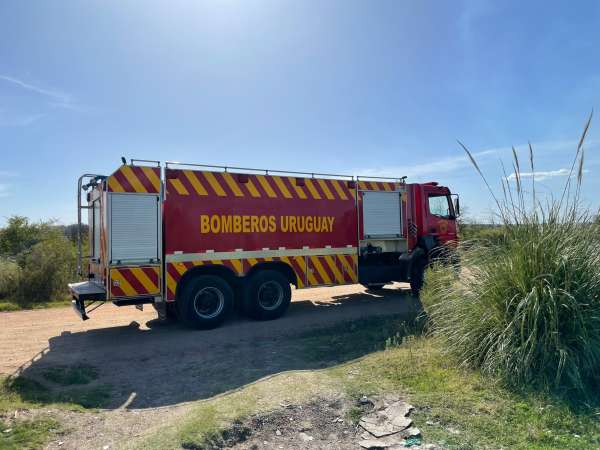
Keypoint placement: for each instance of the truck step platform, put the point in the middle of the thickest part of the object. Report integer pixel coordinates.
(86, 291)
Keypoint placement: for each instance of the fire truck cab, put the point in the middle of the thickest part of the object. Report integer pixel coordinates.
(196, 241)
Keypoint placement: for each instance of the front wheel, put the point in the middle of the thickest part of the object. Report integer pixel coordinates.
(267, 295)
(205, 302)
(417, 275)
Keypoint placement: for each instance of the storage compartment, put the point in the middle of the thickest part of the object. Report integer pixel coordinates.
(382, 217)
(134, 228)
(134, 281)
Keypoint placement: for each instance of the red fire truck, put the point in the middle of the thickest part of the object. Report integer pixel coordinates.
(197, 240)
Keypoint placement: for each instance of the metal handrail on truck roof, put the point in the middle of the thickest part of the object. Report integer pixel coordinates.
(400, 180)
(290, 172)
(133, 161)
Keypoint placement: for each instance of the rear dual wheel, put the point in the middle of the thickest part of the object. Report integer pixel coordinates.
(267, 295)
(206, 301)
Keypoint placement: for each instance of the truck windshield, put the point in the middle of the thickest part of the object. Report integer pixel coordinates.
(439, 205)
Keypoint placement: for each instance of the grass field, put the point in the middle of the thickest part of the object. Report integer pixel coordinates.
(27, 434)
(66, 388)
(7, 305)
(456, 408)
(459, 409)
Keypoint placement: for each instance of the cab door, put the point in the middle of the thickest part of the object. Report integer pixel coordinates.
(440, 220)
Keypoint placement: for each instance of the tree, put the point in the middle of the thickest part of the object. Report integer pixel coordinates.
(20, 234)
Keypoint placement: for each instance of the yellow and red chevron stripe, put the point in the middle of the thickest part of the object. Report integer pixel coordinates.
(318, 270)
(225, 184)
(378, 186)
(134, 281)
(309, 270)
(333, 269)
(297, 263)
(139, 179)
(176, 270)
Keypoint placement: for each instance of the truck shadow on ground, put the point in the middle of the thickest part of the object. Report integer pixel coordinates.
(164, 363)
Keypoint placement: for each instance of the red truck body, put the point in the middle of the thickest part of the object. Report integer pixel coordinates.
(155, 231)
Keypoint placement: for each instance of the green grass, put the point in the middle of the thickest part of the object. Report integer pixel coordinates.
(354, 414)
(27, 434)
(67, 376)
(8, 305)
(526, 307)
(488, 233)
(22, 393)
(458, 408)
(25, 393)
(485, 414)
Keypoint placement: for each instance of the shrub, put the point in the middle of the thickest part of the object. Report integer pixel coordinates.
(20, 234)
(36, 261)
(10, 274)
(46, 269)
(526, 308)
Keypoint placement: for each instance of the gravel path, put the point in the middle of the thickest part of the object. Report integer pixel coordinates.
(155, 368)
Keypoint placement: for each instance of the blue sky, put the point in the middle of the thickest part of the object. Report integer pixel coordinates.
(376, 88)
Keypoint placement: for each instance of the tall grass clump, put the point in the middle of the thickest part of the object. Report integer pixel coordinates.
(526, 308)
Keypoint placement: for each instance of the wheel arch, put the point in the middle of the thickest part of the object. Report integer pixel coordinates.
(280, 266)
(209, 269)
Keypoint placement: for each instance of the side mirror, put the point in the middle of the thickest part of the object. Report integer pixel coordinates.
(456, 205)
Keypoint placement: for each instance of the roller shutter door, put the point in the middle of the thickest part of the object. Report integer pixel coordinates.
(381, 214)
(134, 228)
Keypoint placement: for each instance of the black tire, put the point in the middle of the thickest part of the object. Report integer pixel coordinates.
(171, 311)
(267, 295)
(205, 302)
(417, 275)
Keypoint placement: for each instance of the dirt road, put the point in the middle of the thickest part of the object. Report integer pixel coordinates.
(154, 369)
(135, 353)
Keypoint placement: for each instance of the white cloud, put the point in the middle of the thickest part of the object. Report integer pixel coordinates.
(542, 175)
(452, 164)
(438, 166)
(57, 96)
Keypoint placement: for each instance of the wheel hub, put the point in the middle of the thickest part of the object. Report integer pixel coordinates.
(209, 302)
(270, 295)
